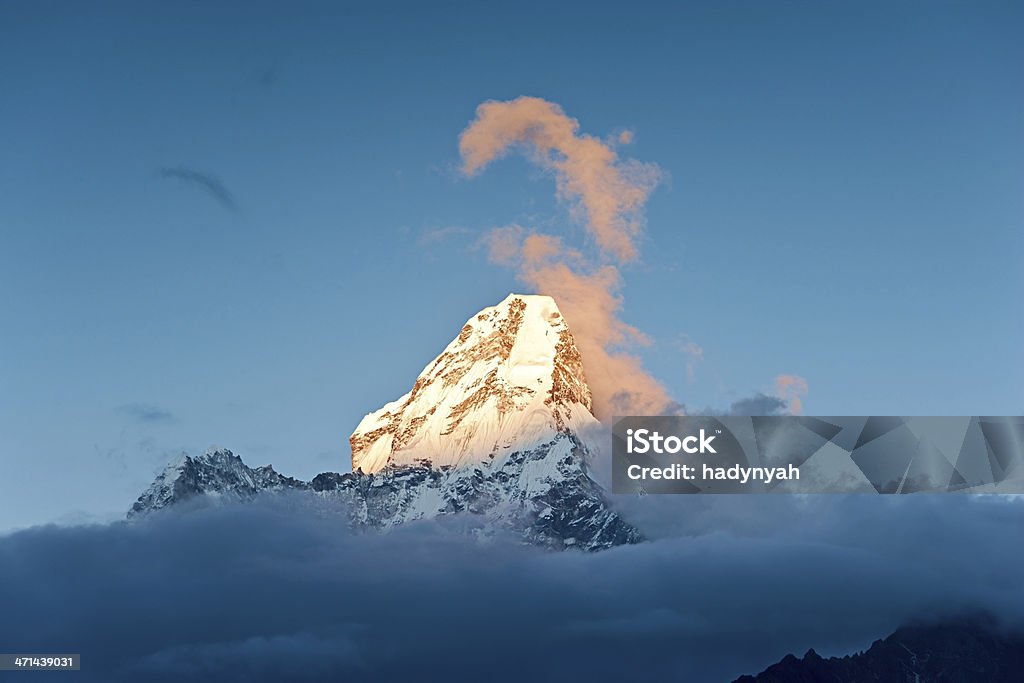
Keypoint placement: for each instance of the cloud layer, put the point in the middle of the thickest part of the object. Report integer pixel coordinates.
(280, 590)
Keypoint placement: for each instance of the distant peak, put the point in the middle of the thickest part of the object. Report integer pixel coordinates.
(211, 456)
(216, 471)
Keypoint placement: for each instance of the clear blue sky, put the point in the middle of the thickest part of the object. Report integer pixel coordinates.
(845, 204)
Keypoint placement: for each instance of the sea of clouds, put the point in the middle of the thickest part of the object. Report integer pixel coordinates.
(280, 590)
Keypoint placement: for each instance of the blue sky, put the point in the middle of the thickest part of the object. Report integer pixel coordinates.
(844, 204)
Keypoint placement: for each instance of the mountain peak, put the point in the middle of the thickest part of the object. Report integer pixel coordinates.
(511, 379)
(497, 427)
(217, 471)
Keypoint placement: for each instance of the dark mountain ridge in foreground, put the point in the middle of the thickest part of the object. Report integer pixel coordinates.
(973, 650)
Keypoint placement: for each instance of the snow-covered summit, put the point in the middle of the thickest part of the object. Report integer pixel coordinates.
(511, 380)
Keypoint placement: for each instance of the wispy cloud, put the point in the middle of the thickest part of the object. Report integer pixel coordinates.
(145, 412)
(607, 195)
(435, 236)
(694, 355)
(209, 183)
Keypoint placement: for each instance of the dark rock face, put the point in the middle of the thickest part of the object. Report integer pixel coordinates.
(217, 472)
(969, 651)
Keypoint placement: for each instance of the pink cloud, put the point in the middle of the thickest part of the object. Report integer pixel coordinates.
(791, 388)
(606, 193)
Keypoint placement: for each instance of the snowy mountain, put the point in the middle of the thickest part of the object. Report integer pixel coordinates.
(512, 380)
(218, 472)
(495, 427)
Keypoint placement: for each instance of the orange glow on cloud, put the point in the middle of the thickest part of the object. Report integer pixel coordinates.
(791, 388)
(608, 195)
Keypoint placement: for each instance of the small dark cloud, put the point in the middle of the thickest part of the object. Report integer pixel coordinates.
(145, 412)
(757, 405)
(207, 182)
